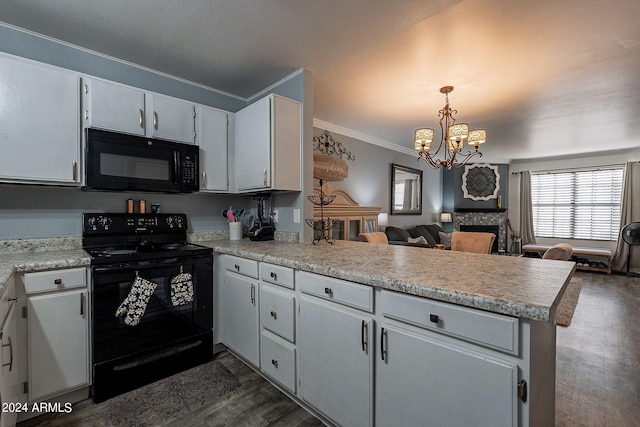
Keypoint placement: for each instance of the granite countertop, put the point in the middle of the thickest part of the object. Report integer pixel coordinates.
(520, 287)
(516, 286)
(38, 261)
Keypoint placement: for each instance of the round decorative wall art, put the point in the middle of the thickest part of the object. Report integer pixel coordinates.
(480, 181)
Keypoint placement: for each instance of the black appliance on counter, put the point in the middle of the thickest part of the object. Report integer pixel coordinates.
(263, 226)
(116, 161)
(144, 261)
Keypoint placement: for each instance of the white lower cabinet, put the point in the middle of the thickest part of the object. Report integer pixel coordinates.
(58, 342)
(361, 357)
(9, 360)
(57, 324)
(240, 305)
(278, 360)
(336, 357)
(422, 380)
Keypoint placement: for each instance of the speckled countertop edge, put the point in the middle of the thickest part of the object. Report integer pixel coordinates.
(520, 287)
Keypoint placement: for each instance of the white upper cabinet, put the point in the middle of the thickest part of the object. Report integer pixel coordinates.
(268, 145)
(212, 137)
(111, 106)
(119, 108)
(170, 118)
(39, 126)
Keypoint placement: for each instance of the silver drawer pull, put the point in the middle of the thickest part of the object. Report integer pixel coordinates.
(328, 291)
(274, 362)
(274, 276)
(274, 315)
(237, 267)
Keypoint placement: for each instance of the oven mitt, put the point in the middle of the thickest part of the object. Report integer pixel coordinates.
(181, 289)
(135, 304)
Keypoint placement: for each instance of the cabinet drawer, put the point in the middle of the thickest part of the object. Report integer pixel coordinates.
(277, 312)
(43, 281)
(341, 291)
(277, 275)
(278, 360)
(243, 266)
(487, 329)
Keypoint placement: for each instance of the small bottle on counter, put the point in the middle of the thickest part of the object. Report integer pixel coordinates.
(130, 206)
(142, 206)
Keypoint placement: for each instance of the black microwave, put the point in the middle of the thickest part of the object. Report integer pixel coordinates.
(115, 161)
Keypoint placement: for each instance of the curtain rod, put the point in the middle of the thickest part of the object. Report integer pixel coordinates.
(584, 168)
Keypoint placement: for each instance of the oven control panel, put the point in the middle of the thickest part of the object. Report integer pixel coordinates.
(118, 223)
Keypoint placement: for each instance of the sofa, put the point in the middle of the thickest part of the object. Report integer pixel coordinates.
(430, 233)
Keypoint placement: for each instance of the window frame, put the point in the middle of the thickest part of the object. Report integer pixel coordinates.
(580, 204)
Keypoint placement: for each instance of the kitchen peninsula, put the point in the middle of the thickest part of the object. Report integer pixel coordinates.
(445, 337)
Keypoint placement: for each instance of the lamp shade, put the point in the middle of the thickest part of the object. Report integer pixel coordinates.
(423, 138)
(459, 131)
(445, 217)
(477, 137)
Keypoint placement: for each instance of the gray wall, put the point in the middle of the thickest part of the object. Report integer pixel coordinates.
(369, 180)
(28, 211)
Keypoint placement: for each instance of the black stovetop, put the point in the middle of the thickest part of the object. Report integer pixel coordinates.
(112, 238)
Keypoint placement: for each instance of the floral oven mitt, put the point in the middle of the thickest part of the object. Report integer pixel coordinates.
(135, 304)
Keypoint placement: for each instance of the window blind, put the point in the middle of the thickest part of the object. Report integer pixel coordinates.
(582, 204)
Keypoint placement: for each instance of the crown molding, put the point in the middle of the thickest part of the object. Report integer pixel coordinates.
(362, 137)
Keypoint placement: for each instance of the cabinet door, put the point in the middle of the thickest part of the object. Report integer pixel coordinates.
(212, 137)
(111, 106)
(253, 146)
(170, 118)
(437, 379)
(240, 310)
(58, 342)
(336, 361)
(8, 355)
(40, 135)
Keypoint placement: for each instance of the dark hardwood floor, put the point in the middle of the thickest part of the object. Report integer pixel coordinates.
(598, 356)
(598, 372)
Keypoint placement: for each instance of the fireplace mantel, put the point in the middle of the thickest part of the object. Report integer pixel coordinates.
(480, 210)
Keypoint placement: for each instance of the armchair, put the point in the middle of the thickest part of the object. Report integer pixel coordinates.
(468, 241)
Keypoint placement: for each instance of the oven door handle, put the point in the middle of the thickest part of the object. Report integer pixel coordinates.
(139, 266)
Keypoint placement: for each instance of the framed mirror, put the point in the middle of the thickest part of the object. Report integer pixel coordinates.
(406, 190)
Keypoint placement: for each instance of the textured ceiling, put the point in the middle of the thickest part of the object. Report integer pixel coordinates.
(545, 78)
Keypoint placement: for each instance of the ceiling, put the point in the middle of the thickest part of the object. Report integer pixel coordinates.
(545, 78)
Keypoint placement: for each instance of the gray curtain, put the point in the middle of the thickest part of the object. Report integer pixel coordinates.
(629, 212)
(526, 211)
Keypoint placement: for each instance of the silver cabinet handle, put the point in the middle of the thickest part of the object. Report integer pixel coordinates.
(75, 170)
(237, 267)
(265, 178)
(253, 294)
(141, 118)
(274, 362)
(82, 304)
(383, 351)
(364, 331)
(274, 315)
(204, 180)
(10, 345)
(274, 276)
(328, 291)
(155, 120)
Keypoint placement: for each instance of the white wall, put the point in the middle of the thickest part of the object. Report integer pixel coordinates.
(596, 159)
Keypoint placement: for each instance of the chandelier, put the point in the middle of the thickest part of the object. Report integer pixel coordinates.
(454, 137)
